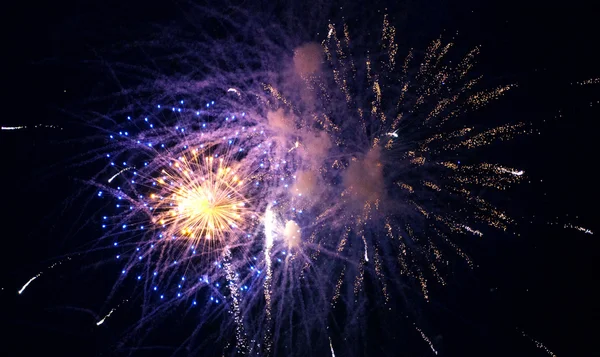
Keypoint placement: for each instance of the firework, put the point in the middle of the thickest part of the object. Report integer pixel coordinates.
(201, 199)
(270, 199)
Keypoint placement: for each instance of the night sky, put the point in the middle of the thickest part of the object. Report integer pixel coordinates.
(541, 282)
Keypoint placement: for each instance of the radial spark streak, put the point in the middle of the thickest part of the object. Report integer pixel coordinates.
(427, 340)
(101, 321)
(29, 282)
(118, 173)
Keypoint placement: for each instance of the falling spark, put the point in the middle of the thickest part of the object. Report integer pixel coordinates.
(588, 81)
(331, 347)
(22, 127)
(538, 344)
(581, 229)
(40, 274)
(29, 282)
(512, 172)
(269, 222)
(366, 251)
(474, 231)
(426, 340)
(235, 306)
(118, 173)
(338, 287)
(110, 313)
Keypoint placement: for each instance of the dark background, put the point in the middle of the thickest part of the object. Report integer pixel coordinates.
(541, 282)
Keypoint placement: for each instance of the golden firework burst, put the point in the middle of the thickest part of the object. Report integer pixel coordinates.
(200, 199)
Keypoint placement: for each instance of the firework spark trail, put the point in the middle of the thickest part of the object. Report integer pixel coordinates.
(579, 228)
(338, 286)
(331, 347)
(269, 223)
(118, 173)
(538, 344)
(513, 172)
(23, 127)
(427, 340)
(29, 282)
(588, 81)
(101, 321)
(40, 274)
(241, 339)
(366, 250)
(474, 231)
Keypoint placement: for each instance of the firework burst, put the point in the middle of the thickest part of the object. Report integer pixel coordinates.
(201, 199)
(276, 190)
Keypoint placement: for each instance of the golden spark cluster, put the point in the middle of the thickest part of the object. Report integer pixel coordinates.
(200, 199)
